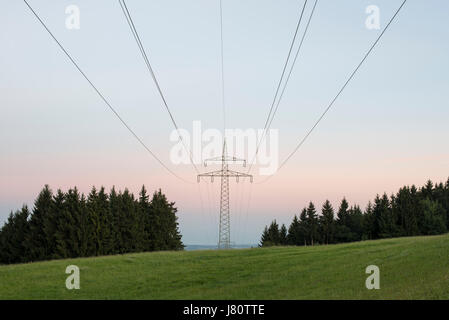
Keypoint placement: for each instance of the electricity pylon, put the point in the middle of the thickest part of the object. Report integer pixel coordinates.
(224, 237)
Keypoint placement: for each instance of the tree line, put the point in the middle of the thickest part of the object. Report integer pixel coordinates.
(409, 212)
(70, 225)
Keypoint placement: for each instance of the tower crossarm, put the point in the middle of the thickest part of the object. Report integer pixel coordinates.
(226, 159)
(227, 173)
(211, 174)
(238, 175)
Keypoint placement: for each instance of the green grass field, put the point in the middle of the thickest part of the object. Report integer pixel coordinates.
(410, 268)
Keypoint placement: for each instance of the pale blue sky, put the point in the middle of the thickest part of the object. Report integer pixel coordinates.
(389, 127)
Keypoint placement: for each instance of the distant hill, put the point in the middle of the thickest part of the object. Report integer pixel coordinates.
(190, 247)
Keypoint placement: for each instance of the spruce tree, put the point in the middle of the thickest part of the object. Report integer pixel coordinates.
(106, 237)
(446, 202)
(85, 227)
(343, 232)
(94, 219)
(294, 232)
(164, 224)
(433, 217)
(404, 211)
(427, 190)
(368, 223)
(283, 235)
(114, 208)
(377, 215)
(387, 226)
(64, 234)
(36, 241)
(98, 213)
(126, 220)
(355, 223)
(312, 222)
(271, 235)
(327, 223)
(274, 233)
(72, 240)
(342, 214)
(13, 237)
(264, 240)
(51, 223)
(441, 195)
(145, 217)
(304, 229)
(413, 217)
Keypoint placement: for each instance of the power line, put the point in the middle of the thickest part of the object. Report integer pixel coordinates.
(202, 211)
(293, 64)
(245, 222)
(279, 84)
(101, 95)
(341, 90)
(222, 69)
(150, 69)
(239, 207)
(145, 57)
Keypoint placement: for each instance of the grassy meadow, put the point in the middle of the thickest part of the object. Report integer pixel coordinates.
(410, 268)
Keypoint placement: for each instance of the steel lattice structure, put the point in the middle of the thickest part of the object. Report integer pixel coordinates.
(224, 238)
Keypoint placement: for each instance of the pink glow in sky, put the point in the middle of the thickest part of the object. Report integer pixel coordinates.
(388, 129)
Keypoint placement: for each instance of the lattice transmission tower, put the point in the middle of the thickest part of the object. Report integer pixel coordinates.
(224, 237)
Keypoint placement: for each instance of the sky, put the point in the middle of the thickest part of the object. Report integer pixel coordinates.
(387, 129)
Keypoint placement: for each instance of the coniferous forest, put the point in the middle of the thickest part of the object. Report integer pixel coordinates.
(69, 225)
(409, 212)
